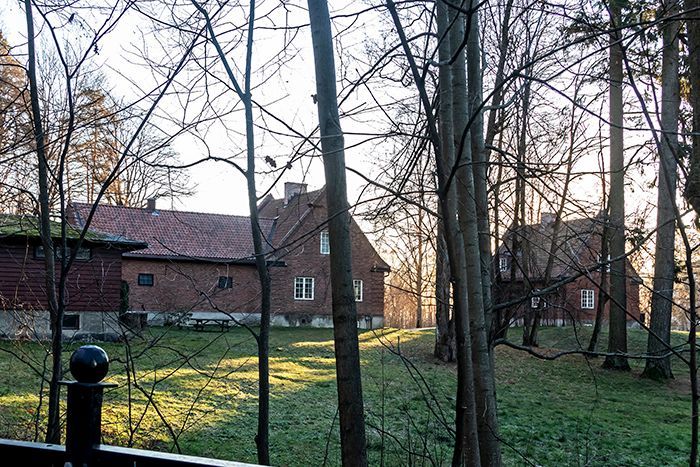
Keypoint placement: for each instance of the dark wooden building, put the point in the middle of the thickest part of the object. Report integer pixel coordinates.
(93, 281)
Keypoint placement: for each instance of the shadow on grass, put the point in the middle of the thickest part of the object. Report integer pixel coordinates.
(566, 412)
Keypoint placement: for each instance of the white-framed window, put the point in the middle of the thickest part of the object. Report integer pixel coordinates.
(357, 285)
(587, 299)
(325, 243)
(303, 288)
(606, 266)
(535, 302)
(503, 264)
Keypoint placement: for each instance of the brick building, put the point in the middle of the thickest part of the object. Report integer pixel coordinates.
(203, 264)
(93, 282)
(576, 261)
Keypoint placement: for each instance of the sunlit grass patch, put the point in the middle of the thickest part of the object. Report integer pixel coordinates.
(199, 391)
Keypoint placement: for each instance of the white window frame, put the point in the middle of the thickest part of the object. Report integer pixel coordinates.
(587, 299)
(606, 266)
(358, 286)
(503, 263)
(534, 302)
(325, 243)
(303, 282)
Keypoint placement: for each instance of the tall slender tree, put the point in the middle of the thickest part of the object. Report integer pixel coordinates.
(617, 337)
(469, 145)
(347, 353)
(262, 338)
(664, 257)
(53, 432)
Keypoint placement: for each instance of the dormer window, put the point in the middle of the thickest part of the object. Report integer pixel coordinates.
(325, 243)
(503, 264)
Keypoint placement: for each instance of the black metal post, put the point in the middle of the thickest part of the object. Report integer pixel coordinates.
(88, 365)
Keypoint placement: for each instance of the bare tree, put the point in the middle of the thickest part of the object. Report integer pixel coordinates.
(664, 256)
(617, 343)
(263, 337)
(347, 353)
(53, 433)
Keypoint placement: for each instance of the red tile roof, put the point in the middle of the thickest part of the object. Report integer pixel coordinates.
(194, 235)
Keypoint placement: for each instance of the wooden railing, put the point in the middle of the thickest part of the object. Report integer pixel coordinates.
(89, 365)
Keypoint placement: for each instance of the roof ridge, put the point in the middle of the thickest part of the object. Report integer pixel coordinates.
(304, 214)
(172, 210)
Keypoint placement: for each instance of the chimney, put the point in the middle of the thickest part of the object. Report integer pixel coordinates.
(292, 189)
(151, 205)
(547, 218)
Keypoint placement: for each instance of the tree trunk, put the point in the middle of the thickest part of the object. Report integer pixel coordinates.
(445, 345)
(347, 353)
(692, 194)
(480, 162)
(664, 262)
(617, 339)
(467, 446)
(520, 223)
(53, 429)
(466, 449)
(475, 227)
(262, 437)
(692, 17)
(604, 288)
(419, 275)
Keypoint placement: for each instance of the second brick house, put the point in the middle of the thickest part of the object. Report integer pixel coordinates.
(202, 264)
(573, 257)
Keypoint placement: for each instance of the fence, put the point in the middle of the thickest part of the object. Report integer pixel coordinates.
(89, 365)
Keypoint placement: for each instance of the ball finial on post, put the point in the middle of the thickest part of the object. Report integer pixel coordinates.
(89, 364)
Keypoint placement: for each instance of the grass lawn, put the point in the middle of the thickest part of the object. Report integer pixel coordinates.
(563, 412)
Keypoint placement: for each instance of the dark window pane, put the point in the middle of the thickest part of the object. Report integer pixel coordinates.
(71, 322)
(225, 282)
(83, 254)
(146, 279)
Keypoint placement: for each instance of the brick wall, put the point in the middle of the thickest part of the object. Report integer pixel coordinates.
(573, 299)
(178, 285)
(183, 286)
(304, 259)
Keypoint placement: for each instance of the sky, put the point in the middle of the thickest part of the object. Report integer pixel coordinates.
(285, 91)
